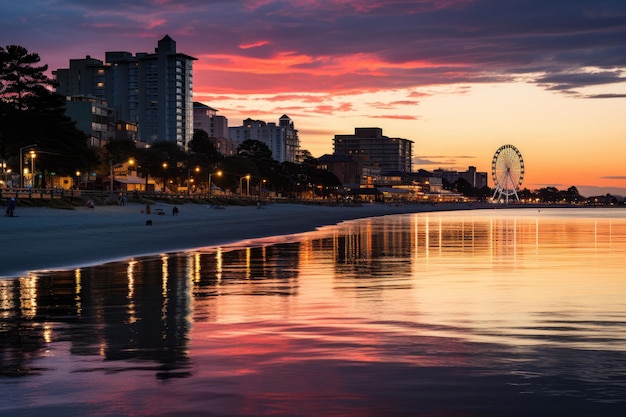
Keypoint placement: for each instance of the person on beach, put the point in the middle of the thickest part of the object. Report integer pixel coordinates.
(11, 207)
(147, 208)
(175, 211)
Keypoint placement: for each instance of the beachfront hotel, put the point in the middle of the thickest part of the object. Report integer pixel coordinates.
(150, 90)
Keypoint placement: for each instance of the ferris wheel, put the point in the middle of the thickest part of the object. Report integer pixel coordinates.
(507, 170)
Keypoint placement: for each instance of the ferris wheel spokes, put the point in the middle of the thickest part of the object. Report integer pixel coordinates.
(508, 172)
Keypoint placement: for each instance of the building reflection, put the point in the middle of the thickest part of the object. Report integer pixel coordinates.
(134, 311)
(141, 310)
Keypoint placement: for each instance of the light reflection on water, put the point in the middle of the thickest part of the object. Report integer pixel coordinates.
(493, 312)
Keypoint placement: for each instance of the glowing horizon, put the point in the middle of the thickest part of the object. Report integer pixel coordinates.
(460, 78)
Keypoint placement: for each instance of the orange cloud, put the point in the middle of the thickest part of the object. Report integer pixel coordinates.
(253, 45)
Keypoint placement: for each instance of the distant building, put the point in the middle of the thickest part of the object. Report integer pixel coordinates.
(474, 178)
(206, 118)
(281, 139)
(449, 175)
(374, 151)
(150, 90)
(345, 168)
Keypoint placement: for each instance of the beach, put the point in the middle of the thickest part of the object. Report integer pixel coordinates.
(40, 238)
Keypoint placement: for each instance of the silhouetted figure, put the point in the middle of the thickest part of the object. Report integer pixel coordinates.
(11, 207)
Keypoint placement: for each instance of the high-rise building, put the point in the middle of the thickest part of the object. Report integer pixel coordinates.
(152, 90)
(281, 139)
(371, 149)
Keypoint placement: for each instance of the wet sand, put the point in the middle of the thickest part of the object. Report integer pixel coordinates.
(44, 238)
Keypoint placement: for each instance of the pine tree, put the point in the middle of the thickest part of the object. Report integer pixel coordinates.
(20, 76)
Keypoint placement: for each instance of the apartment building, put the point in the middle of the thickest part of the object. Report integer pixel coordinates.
(151, 90)
(372, 150)
(282, 138)
(216, 126)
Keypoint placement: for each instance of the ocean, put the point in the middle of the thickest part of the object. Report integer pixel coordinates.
(499, 312)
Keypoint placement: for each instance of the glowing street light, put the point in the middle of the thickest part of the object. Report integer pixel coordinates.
(197, 169)
(34, 145)
(165, 176)
(247, 177)
(219, 174)
(261, 184)
(33, 155)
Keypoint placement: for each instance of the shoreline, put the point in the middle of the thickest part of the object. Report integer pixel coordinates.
(44, 239)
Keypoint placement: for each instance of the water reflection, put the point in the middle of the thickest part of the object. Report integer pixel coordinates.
(481, 313)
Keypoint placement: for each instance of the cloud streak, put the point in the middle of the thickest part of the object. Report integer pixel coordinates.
(337, 45)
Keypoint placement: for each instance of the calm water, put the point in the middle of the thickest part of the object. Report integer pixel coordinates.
(485, 313)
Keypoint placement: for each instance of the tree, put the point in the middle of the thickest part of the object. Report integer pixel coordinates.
(572, 195)
(119, 150)
(549, 194)
(254, 149)
(30, 113)
(20, 76)
(202, 151)
(305, 157)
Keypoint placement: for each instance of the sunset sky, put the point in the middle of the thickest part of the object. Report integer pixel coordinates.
(458, 77)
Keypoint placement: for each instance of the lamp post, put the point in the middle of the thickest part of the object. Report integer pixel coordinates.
(261, 182)
(219, 174)
(77, 180)
(197, 169)
(33, 155)
(164, 176)
(34, 145)
(247, 177)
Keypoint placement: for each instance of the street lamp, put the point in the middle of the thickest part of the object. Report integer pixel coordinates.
(32, 164)
(247, 177)
(197, 169)
(165, 176)
(34, 145)
(263, 181)
(219, 174)
(77, 180)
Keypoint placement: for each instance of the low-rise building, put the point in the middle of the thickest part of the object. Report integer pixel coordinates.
(345, 168)
(92, 116)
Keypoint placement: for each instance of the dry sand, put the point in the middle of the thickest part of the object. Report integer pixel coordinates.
(44, 238)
